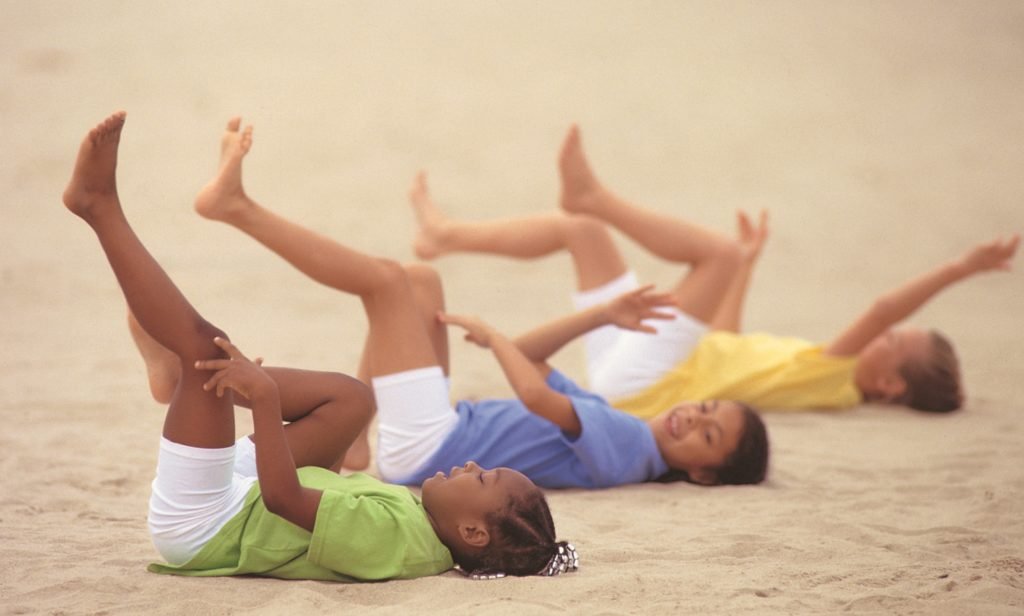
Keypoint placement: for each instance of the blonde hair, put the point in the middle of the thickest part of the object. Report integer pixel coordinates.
(933, 381)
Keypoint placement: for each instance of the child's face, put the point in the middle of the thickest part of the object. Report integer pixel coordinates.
(698, 437)
(883, 357)
(468, 494)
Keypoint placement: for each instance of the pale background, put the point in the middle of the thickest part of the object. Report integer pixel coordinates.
(884, 137)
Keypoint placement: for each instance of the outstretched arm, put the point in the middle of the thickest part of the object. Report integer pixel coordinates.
(523, 375)
(729, 314)
(279, 482)
(626, 311)
(904, 300)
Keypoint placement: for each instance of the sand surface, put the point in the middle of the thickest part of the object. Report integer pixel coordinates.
(883, 137)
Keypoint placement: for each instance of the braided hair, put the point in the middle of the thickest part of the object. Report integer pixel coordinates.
(522, 542)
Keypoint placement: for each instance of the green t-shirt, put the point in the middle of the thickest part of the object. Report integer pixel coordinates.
(365, 530)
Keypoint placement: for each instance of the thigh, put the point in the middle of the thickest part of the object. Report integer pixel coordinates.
(397, 340)
(428, 293)
(595, 256)
(302, 391)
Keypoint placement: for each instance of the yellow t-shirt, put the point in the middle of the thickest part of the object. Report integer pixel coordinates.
(767, 372)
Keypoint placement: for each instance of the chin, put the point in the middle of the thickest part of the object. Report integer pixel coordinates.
(427, 485)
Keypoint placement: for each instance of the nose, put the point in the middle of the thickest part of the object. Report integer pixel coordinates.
(698, 416)
(472, 466)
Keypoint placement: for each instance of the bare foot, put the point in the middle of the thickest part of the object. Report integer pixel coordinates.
(429, 242)
(163, 368)
(223, 197)
(581, 192)
(93, 183)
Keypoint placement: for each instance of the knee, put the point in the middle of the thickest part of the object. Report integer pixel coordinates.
(422, 276)
(357, 394)
(583, 229)
(353, 401)
(390, 274)
(199, 344)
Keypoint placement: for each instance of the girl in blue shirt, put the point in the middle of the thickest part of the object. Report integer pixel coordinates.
(554, 432)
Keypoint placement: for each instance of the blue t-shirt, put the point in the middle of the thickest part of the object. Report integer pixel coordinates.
(612, 449)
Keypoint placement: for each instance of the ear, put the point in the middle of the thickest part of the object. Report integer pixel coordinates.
(891, 387)
(704, 477)
(474, 535)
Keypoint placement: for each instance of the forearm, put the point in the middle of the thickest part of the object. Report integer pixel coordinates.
(894, 306)
(541, 343)
(519, 369)
(531, 387)
(902, 301)
(279, 481)
(729, 315)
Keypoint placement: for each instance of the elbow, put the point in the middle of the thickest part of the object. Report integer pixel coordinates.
(885, 309)
(531, 395)
(279, 504)
(275, 505)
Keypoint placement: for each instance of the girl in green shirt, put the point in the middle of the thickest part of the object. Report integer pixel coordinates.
(208, 520)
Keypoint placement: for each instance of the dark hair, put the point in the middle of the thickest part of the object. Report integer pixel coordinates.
(522, 539)
(933, 381)
(747, 464)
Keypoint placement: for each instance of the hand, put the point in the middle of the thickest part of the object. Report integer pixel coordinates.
(751, 238)
(477, 331)
(237, 373)
(630, 309)
(993, 255)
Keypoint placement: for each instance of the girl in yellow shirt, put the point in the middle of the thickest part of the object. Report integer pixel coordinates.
(699, 355)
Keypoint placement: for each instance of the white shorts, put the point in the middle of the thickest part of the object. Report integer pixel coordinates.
(622, 363)
(415, 415)
(195, 492)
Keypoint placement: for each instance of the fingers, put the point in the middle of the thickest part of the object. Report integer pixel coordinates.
(743, 223)
(212, 364)
(229, 348)
(216, 382)
(649, 298)
(748, 232)
(451, 319)
(662, 299)
(1011, 245)
(665, 316)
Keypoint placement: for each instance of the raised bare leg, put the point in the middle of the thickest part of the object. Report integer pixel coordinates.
(429, 299)
(163, 368)
(196, 417)
(713, 257)
(751, 238)
(595, 256)
(325, 410)
(397, 338)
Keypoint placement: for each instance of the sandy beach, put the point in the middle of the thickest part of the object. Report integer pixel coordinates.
(882, 137)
